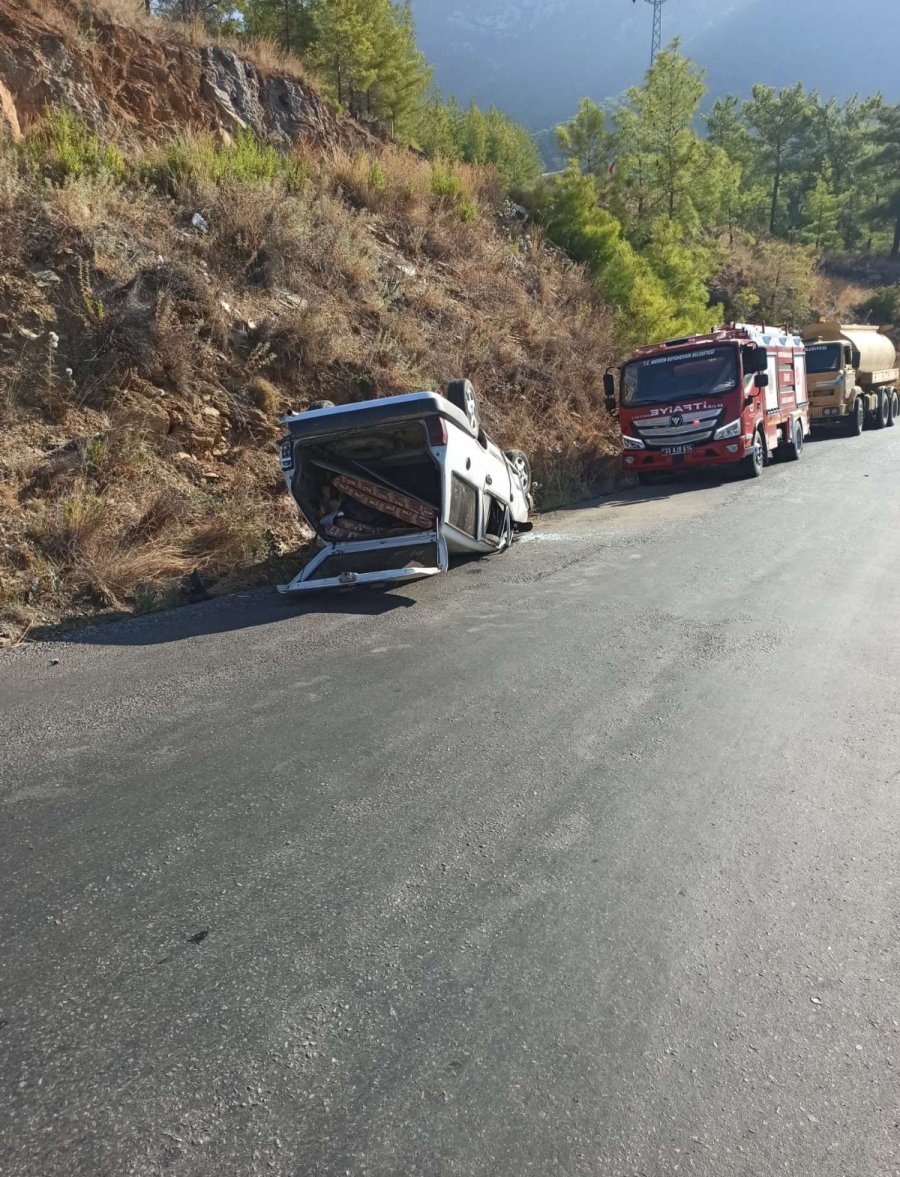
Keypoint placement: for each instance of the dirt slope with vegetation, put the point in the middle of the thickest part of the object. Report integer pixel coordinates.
(146, 353)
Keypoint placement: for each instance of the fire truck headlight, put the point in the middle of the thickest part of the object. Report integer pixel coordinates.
(633, 443)
(733, 429)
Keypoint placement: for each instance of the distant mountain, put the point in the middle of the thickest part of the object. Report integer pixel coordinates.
(536, 58)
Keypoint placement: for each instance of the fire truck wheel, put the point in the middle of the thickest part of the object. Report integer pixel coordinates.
(857, 420)
(895, 407)
(883, 410)
(752, 465)
(795, 445)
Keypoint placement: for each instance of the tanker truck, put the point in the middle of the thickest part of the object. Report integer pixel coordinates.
(852, 377)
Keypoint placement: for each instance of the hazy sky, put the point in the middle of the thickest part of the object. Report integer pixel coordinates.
(536, 58)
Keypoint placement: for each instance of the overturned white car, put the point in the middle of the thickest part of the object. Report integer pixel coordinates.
(392, 485)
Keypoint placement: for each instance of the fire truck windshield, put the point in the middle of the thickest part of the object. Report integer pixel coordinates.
(686, 375)
(823, 357)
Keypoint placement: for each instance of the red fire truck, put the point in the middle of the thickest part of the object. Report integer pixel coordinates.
(736, 396)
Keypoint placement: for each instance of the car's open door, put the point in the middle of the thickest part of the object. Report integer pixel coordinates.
(372, 562)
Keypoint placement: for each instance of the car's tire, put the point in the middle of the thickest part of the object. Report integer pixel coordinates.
(522, 466)
(883, 410)
(895, 407)
(462, 394)
(322, 404)
(752, 465)
(857, 419)
(794, 447)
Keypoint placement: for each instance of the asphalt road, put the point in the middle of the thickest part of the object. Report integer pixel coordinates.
(581, 860)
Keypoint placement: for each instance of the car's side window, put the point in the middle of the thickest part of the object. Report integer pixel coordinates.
(463, 513)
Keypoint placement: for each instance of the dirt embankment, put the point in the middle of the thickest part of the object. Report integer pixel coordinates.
(142, 80)
(195, 243)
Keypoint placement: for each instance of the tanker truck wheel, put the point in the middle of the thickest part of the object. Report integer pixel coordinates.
(883, 409)
(857, 420)
(895, 407)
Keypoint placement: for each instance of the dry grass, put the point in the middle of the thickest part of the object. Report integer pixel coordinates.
(82, 17)
(143, 446)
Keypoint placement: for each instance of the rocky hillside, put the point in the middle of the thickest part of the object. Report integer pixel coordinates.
(194, 243)
(141, 79)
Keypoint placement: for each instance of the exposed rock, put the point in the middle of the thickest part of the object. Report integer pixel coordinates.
(294, 111)
(148, 87)
(232, 86)
(8, 113)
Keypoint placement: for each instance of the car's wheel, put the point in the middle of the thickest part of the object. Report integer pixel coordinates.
(462, 394)
(323, 404)
(522, 467)
(752, 465)
(794, 448)
(857, 420)
(883, 409)
(895, 407)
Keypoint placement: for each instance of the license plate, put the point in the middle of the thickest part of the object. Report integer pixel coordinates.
(671, 450)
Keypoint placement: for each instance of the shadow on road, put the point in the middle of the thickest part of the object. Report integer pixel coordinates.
(225, 615)
(671, 486)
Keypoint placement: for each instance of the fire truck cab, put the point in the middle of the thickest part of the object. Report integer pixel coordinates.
(734, 397)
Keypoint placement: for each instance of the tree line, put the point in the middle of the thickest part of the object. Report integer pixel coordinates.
(649, 203)
(787, 162)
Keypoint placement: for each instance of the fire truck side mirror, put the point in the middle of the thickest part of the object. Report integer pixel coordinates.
(760, 359)
(762, 380)
(609, 389)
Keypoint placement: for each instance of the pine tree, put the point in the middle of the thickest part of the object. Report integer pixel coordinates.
(367, 52)
(886, 172)
(821, 215)
(779, 119)
(291, 23)
(476, 136)
(216, 15)
(574, 220)
(345, 49)
(402, 76)
(656, 130)
(586, 139)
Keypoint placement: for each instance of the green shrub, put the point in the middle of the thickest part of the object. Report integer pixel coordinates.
(882, 306)
(67, 147)
(449, 188)
(189, 162)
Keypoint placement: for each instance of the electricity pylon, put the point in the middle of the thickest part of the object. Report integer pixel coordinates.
(656, 42)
